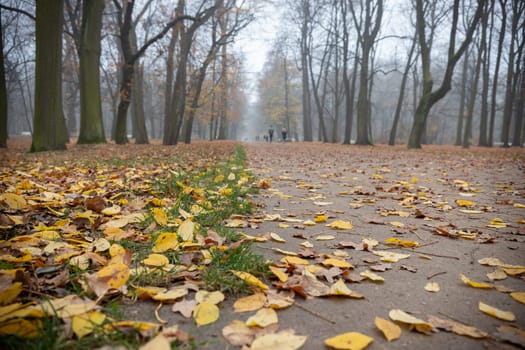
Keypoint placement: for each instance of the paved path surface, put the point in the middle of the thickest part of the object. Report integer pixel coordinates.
(367, 186)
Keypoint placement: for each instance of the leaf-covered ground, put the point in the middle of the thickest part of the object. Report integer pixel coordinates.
(370, 247)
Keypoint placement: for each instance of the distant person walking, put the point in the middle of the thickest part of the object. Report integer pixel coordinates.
(270, 133)
(283, 134)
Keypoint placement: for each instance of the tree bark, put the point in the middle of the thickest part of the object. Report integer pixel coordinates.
(306, 100)
(462, 100)
(91, 123)
(3, 92)
(49, 125)
(472, 100)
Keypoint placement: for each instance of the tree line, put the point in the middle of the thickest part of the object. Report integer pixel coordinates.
(409, 71)
(90, 54)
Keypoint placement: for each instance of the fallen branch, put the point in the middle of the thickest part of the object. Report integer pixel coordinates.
(436, 274)
(315, 313)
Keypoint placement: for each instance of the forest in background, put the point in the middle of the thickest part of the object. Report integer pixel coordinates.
(412, 72)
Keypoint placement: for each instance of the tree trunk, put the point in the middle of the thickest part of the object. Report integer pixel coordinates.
(517, 139)
(49, 125)
(121, 136)
(484, 114)
(306, 101)
(472, 101)
(509, 91)
(141, 134)
(3, 92)
(91, 123)
(462, 99)
(401, 97)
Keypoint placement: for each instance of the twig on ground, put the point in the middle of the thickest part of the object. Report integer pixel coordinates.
(436, 274)
(315, 313)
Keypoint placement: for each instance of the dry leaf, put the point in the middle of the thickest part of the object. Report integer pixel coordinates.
(250, 303)
(279, 273)
(14, 201)
(284, 340)
(491, 262)
(184, 307)
(518, 296)
(237, 333)
(170, 295)
(340, 225)
(497, 313)
(324, 238)
(474, 284)
(277, 238)
(349, 341)
(250, 279)
(465, 203)
(186, 230)
(372, 276)
(414, 322)
(86, 323)
(497, 275)
(263, 318)
(401, 242)
(390, 330)
(205, 313)
(390, 256)
(157, 260)
(166, 241)
(337, 263)
(339, 288)
(457, 327)
(214, 297)
(160, 342)
(432, 287)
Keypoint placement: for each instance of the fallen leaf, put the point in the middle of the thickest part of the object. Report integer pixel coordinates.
(186, 230)
(205, 313)
(414, 322)
(280, 274)
(14, 201)
(337, 263)
(262, 318)
(294, 260)
(285, 340)
(491, 262)
(157, 260)
(324, 238)
(474, 284)
(349, 341)
(166, 241)
(320, 218)
(457, 327)
(401, 242)
(465, 203)
(340, 225)
(497, 275)
(278, 301)
(390, 256)
(497, 313)
(170, 295)
(85, 324)
(372, 276)
(339, 288)
(8, 290)
(184, 307)
(250, 279)
(277, 238)
(512, 335)
(250, 303)
(518, 296)
(159, 342)
(237, 333)
(160, 216)
(390, 330)
(214, 297)
(432, 287)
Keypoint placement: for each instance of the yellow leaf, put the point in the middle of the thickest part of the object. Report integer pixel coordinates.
(465, 203)
(170, 295)
(372, 276)
(237, 333)
(14, 201)
(519, 205)
(9, 292)
(214, 297)
(397, 224)
(401, 242)
(390, 330)
(17, 259)
(280, 274)
(324, 238)
(337, 263)
(250, 279)
(262, 318)
(340, 288)
(320, 218)
(474, 284)
(390, 256)
(250, 303)
(294, 260)
(118, 274)
(21, 328)
(158, 260)
(497, 223)
(414, 322)
(432, 287)
(149, 291)
(497, 313)
(282, 225)
(86, 323)
(160, 216)
(166, 241)
(186, 230)
(277, 238)
(285, 340)
(278, 301)
(349, 341)
(491, 262)
(457, 327)
(497, 275)
(469, 211)
(205, 313)
(309, 223)
(341, 225)
(285, 252)
(518, 296)
(114, 210)
(514, 270)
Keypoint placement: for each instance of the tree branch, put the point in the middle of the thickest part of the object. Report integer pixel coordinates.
(14, 9)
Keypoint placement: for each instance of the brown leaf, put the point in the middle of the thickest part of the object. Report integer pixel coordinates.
(97, 204)
(456, 327)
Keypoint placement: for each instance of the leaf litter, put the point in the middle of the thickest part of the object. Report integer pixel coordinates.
(118, 211)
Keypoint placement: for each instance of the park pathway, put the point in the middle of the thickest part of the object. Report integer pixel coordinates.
(460, 206)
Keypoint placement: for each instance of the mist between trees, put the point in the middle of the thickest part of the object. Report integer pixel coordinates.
(407, 71)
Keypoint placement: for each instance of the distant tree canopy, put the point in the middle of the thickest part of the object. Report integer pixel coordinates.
(413, 72)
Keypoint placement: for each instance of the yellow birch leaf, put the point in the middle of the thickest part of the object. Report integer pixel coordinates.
(277, 238)
(414, 322)
(285, 252)
(157, 260)
(497, 275)
(401, 242)
(474, 284)
(118, 274)
(390, 330)
(465, 203)
(186, 230)
(341, 225)
(497, 223)
(457, 327)
(470, 211)
(280, 274)
(21, 328)
(205, 313)
(294, 260)
(166, 241)
(432, 287)
(320, 218)
(497, 313)
(372, 276)
(17, 259)
(518, 296)
(307, 244)
(324, 238)
(214, 297)
(14, 201)
(514, 270)
(396, 224)
(250, 279)
(113, 210)
(309, 223)
(283, 225)
(278, 301)
(159, 342)
(491, 262)
(86, 323)
(160, 216)
(284, 340)
(262, 318)
(149, 291)
(519, 205)
(9, 292)
(340, 288)
(349, 341)
(250, 303)
(337, 263)
(170, 295)
(390, 256)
